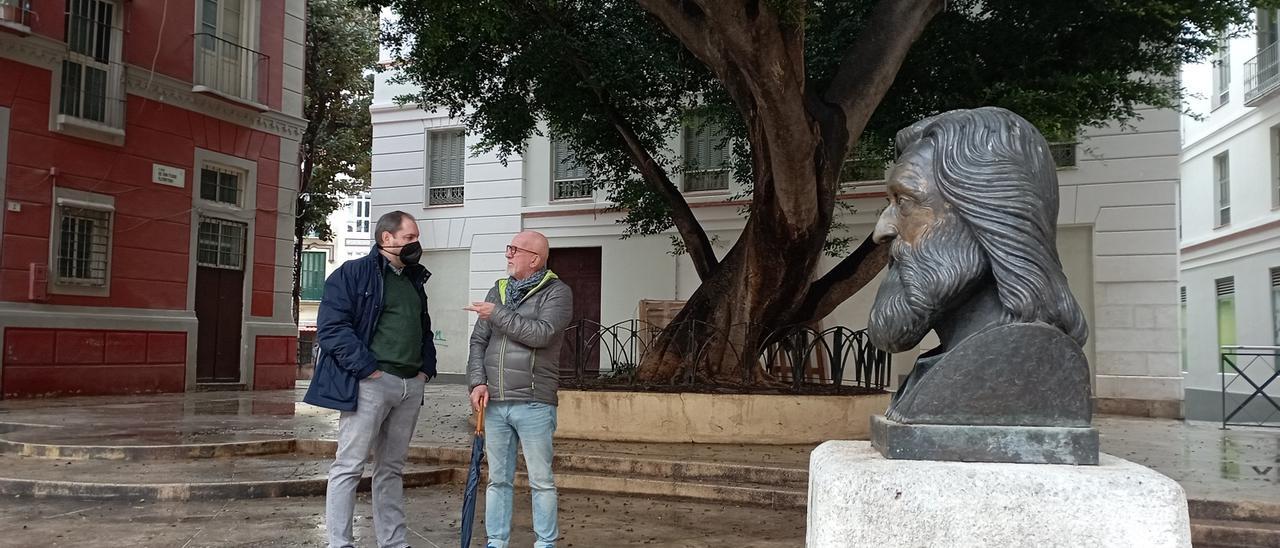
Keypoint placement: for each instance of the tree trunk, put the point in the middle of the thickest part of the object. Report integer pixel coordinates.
(757, 289)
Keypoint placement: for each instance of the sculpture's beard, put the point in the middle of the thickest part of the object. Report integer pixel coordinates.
(923, 282)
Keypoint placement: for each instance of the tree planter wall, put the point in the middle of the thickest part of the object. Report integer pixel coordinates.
(609, 415)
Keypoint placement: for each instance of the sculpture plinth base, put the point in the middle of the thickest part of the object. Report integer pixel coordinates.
(858, 498)
(1017, 444)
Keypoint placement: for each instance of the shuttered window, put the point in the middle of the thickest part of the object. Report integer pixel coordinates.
(446, 155)
(706, 156)
(312, 275)
(1226, 290)
(568, 180)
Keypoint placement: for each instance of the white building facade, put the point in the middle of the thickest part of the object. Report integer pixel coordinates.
(1117, 236)
(1230, 224)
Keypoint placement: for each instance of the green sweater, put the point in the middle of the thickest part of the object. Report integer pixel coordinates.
(397, 341)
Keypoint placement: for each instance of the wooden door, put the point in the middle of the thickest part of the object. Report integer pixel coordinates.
(579, 268)
(219, 306)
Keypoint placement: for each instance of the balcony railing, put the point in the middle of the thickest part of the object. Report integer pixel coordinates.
(1262, 75)
(445, 195)
(230, 70)
(16, 15)
(1064, 154)
(570, 189)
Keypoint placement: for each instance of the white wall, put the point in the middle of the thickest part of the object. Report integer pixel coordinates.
(1249, 246)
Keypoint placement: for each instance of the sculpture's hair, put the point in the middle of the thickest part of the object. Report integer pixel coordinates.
(996, 170)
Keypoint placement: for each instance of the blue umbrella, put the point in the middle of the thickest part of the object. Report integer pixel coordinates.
(473, 481)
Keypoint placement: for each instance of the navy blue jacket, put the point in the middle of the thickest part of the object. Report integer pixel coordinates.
(349, 313)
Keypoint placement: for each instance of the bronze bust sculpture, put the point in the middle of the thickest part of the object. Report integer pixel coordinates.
(971, 226)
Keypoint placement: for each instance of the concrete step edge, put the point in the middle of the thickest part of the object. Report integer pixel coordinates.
(177, 492)
(149, 452)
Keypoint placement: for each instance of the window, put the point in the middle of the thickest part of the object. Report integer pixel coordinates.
(864, 165)
(221, 244)
(221, 184)
(90, 89)
(225, 60)
(81, 246)
(1222, 188)
(1275, 306)
(1226, 288)
(1182, 325)
(359, 210)
(706, 156)
(312, 275)
(568, 180)
(1221, 74)
(445, 158)
(1275, 167)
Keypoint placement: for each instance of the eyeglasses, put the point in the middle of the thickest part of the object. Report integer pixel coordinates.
(512, 250)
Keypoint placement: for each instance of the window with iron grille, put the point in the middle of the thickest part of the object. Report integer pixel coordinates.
(220, 184)
(1221, 74)
(221, 244)
(359, 210)
(569, 180)
(1222, 188)
(84, 241)
(90, 87)
(706, 156)
(446, 155)
(312, 275)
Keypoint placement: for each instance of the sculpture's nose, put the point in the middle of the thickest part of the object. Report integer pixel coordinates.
(886, 228)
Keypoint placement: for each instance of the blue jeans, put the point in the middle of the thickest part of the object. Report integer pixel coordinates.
(532, 425)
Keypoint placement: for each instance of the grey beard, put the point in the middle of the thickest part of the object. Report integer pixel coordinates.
(923, 283)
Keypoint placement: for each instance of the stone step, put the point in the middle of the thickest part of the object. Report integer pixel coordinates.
(635, 466)
(203, 479)
(158, 452)
(1234, 534)
(721, 492)
(1234, 510)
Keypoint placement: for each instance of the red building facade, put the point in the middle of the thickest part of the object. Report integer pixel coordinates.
(149, 154)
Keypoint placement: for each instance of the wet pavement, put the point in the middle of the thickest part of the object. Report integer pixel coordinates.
(432, 517)
(1237, 464)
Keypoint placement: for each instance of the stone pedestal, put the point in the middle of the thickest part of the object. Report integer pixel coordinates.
(859, 498)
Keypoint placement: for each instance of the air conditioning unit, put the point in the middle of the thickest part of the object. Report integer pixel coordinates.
(38, 282)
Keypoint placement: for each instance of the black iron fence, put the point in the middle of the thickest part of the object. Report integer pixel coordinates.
(1253, 370)
(797, 356)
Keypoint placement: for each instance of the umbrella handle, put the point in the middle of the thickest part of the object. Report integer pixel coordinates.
(480, 420)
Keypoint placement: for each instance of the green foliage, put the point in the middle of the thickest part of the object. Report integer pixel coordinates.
(507, 66)
(342, 50)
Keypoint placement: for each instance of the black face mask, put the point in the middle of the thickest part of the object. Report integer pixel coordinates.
(409, 254)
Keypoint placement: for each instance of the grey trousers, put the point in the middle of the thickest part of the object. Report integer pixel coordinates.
(386, 413)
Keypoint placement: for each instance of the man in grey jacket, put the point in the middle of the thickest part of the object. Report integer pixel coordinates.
(514, 372)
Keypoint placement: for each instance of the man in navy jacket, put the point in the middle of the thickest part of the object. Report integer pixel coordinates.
(375, 352)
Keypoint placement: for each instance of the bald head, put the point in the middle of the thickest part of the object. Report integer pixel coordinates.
(527, 254)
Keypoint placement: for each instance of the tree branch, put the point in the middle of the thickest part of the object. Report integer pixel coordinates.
(870, 66)
(696, 242)
(846, 278)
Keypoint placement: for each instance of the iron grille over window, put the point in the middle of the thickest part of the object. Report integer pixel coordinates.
(84, 239)
(220, 185)
(221, 244)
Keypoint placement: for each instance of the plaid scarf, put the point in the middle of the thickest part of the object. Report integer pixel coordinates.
(518, 289)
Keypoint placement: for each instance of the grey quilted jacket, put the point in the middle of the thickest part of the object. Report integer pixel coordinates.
(517, 352)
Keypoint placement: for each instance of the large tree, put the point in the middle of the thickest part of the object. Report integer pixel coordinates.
(342, 50)
(799, 85)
